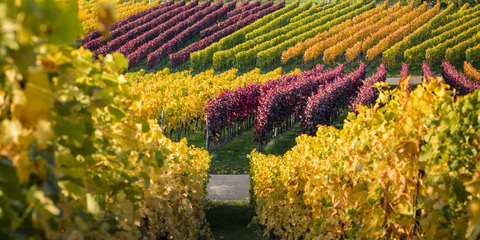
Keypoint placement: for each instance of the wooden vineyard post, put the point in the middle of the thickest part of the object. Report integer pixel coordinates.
(163, 116)
(206, 125)
(178, 134)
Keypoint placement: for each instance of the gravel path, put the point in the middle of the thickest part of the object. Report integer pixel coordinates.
(396, 80)
(226, 187)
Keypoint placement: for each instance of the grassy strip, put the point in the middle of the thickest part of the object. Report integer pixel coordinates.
(413, 70)
(232, 158)
(280, 145)
(231, 220)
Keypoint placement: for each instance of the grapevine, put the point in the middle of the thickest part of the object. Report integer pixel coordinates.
(472, 73)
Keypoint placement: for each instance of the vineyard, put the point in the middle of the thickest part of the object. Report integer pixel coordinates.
(223, 35)
(406, 166)
(98, 100)
(159, 32)
(78, 161)
(179, 98)
(88, 14)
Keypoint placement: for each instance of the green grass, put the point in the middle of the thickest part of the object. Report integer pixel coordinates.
(412, 70)
(230, 220)
(232, 158)
(340, 120)
(197, 140)
(280, 145)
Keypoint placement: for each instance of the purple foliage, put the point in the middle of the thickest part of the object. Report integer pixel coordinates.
(187, 34)
(140, 21)
(231, 20)
(271, 84)
(249, 7)
(164, 15)
(94, 44)
(241, 9)
(233, 106)
(184, 54)
(102, 51)
(230, 107)
(217, 112)
(91, 36)
(282, 100)
(238, 10)
(96, 34)
(367, 95)
(427, 70)
(155, 38)
(183, 13)
(322, 107)
(457, 80)
(404, 73)
(138, 15)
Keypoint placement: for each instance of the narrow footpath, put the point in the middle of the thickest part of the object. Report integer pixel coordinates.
(225, 187)
(413, 80)
(229, 212)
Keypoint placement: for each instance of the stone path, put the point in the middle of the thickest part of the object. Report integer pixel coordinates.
(226, 187)
(396, 80)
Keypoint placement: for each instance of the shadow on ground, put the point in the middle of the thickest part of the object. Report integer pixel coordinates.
(230, 219)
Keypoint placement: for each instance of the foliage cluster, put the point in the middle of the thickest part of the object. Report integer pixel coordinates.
(407, 165)
(79, 156)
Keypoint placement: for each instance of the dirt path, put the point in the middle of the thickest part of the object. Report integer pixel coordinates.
(226, 187)
(396, 80)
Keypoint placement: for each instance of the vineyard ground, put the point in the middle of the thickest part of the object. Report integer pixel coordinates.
(233, 220)
(228, 187)
(232, 157)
